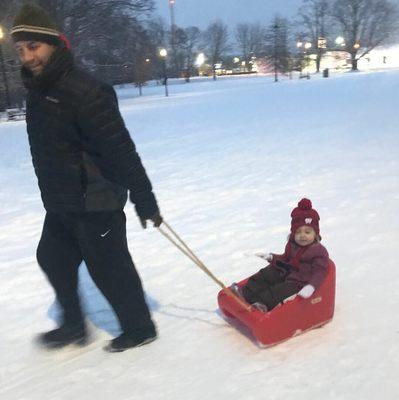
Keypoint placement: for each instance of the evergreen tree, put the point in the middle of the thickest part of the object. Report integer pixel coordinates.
(216, 42)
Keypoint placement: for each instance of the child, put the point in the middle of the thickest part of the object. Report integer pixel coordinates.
(301, 269)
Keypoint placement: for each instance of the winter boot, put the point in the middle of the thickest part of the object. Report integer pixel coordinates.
(237, 290)
(129, 340)
(63, 336)
(260, 306)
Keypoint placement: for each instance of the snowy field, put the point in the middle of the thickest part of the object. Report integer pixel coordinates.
(228, 160)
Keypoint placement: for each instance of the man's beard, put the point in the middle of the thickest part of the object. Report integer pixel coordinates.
(36, 68)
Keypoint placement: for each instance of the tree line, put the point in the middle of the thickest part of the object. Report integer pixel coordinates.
(119, 40)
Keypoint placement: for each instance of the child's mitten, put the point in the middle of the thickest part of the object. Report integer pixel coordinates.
(266, 256)
(306, 291)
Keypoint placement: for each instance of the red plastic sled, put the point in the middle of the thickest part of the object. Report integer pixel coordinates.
(290, 319)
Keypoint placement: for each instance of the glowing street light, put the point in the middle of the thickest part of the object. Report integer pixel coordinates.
(356, 46)
(303, 47)
(340, 41)
(3, 71)
(200, 60)
(164, 53)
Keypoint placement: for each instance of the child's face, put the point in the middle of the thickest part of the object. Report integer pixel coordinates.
(305, 235)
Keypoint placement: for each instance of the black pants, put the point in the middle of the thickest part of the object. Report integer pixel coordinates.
(99, 239)
(270, 286)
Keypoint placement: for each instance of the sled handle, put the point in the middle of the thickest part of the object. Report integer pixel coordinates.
(175, 239)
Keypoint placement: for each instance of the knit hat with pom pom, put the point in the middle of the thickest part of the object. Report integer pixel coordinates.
(304, 214)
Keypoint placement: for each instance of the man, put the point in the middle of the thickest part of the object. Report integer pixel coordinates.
(85, 161)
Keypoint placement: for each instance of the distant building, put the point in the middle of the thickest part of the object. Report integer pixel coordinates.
(382, 57)
(387, 57)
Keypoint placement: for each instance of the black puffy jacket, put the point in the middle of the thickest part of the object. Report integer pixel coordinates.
(83, 155)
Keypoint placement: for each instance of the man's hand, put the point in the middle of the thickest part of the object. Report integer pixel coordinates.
(156, 219)
(146, 208)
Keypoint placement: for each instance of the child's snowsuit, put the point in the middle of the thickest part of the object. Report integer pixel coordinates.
(287, 274)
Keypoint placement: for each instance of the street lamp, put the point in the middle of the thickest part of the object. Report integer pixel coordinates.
(172, 20)
(3, 71)
(340, 41)
(163, 53)
(307, 46)
(275, 30)
(299, 45)
(303, 47)
(172, 32)
(200, 60)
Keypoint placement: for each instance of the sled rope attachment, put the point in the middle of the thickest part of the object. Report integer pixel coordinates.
(175, 239)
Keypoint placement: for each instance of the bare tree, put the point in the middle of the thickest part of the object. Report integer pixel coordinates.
(141, 71)
(216, 39)
(7, 10)
(157, 32)
(158, 36)
(365, 24)
(313, 19)
(11, 91)
(249, 38)
(178, 53)
(193, 36)
(277, 46)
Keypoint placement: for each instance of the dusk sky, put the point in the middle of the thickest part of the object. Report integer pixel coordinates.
(201, 12)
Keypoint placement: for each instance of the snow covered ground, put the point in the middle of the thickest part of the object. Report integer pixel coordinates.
(228, 160)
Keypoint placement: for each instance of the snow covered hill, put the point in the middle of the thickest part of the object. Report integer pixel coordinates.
(228, 160)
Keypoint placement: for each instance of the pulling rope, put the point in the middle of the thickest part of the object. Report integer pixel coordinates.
(174, 238)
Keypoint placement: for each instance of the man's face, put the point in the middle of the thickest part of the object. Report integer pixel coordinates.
(34, 55)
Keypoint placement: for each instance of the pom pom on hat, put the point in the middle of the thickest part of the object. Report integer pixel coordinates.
(304, 214)
(305, 204)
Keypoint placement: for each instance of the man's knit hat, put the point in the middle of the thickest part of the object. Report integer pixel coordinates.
(33, 23)
(304, 214)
